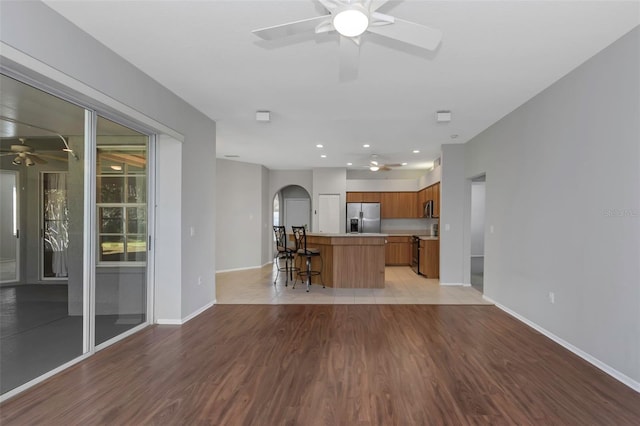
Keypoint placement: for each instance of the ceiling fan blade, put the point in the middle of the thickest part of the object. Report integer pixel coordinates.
(37, 159)
(291, 28)
(410, 33)
(392, 165)
(349, 58)
(376, 4)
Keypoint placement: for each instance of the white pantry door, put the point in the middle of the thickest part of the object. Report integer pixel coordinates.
(329, 213)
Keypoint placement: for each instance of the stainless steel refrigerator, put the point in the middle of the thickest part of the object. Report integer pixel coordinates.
(363, 217)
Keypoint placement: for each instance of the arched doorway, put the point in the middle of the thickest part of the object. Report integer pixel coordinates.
(292, 206)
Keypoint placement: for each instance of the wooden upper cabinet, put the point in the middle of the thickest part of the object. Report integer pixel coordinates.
(430, 193)
(397, 205)
(363, 197)
(422, 198)
(436, 200)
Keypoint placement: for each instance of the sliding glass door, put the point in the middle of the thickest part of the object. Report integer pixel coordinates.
(74, 197)
(42, 322)
(121, 206)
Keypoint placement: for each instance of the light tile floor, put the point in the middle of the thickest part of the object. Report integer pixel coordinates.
(402, 286)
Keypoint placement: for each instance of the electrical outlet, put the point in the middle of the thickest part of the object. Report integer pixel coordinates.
(552, 297)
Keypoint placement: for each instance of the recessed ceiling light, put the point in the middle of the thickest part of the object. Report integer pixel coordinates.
(416, 151)
(319, 146)
(404, 164)
(366, 145)
(349, 164)
(323, 156)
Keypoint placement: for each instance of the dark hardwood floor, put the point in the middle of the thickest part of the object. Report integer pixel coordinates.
(332, 365)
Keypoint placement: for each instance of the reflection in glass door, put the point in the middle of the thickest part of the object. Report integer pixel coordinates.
(43, 322)
(121, 207)
(55, 225)
(9, 230)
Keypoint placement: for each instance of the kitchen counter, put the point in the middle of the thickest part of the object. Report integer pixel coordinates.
(350, 235)
(349, 260)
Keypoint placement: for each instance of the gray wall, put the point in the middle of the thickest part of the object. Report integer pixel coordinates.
(563, 196)
(239, 235)
(452, 215)
(39, 32)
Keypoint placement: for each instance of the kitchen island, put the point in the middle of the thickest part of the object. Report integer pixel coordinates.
(349, 260)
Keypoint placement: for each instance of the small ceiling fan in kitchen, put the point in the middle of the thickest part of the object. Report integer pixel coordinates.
(351, 19)
(24, 155)
(376, 164)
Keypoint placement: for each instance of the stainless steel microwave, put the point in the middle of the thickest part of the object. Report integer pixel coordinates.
(428, 209)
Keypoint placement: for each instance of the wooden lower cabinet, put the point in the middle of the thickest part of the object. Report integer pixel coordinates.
(397, 251)
(430, 258)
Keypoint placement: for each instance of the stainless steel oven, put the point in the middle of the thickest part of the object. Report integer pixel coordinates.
(415, 254)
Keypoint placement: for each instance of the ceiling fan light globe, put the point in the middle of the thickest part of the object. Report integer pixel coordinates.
(374, 168)
(351, 22)
(29, 162)
(16, 161)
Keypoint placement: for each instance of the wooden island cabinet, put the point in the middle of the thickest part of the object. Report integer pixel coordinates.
(349, 260)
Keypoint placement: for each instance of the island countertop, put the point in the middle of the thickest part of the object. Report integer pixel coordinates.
(350, 234)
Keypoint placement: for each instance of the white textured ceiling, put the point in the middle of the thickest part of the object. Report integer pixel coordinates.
(494, 56)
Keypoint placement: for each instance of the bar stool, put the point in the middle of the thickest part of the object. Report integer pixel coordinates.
(308, 253)
(284, 253)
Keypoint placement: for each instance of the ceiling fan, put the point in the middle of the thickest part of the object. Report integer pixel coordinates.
(24, 155)
(375, 165)
(351, 18)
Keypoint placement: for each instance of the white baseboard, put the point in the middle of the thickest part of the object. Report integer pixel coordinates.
(582, 354)
(162, 321)
(187, 318)
(455, 284)
(246, 268)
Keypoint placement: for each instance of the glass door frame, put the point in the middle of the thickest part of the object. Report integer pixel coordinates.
(17, 224)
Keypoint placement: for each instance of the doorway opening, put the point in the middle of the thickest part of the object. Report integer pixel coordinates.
(477, 232)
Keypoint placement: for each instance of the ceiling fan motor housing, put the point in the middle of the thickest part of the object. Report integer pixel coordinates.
(351, 20)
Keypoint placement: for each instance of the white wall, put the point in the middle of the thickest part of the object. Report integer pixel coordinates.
(329, 181)
(431, 177)
(239, 227)
(51, 42)
(389, 185)
(563, 196)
